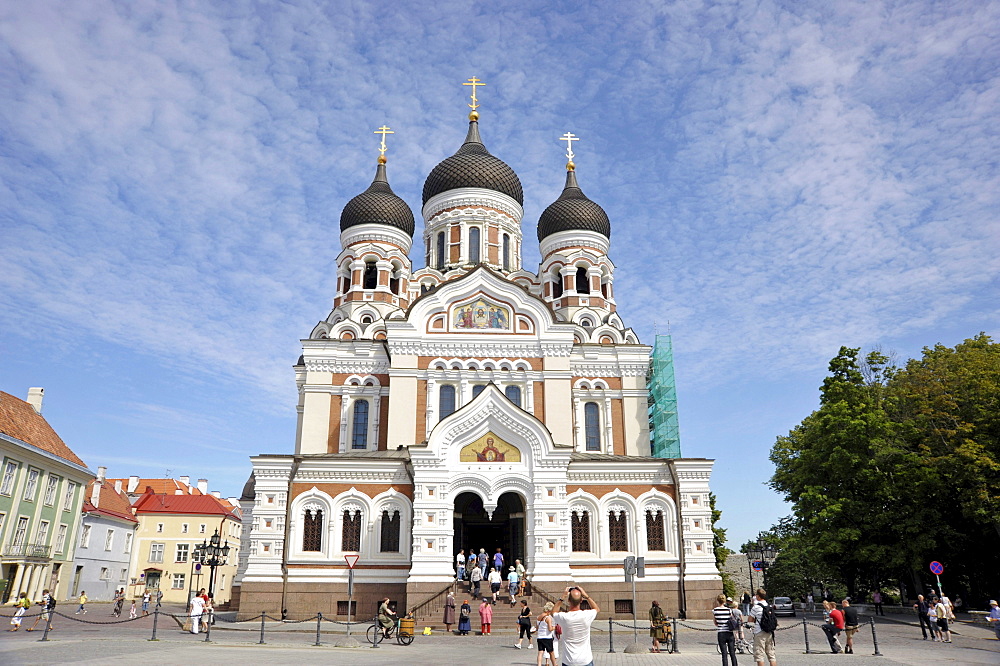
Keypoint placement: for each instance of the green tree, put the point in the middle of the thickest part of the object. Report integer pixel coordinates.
(721, 552)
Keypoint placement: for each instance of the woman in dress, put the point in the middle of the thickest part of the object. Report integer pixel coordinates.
(449, 611)
(656, 621)
(22, 604)
(464, 619)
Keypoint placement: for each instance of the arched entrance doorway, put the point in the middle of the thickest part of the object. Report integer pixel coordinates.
(475, 529)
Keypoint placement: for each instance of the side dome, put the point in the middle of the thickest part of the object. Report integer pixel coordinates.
(249, 488)
(378, 205)
(573, 211)
(473, 166)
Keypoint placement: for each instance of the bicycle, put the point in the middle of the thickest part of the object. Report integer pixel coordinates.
(743, 646)
(402, 629)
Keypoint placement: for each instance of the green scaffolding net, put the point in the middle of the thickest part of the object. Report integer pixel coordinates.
(664, 432)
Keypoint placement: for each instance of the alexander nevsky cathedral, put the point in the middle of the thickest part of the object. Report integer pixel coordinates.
(473, 404)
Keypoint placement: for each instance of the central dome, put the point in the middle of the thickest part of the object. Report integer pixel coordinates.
(473, 166)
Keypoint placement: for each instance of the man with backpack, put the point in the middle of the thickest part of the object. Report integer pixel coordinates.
(765, 623)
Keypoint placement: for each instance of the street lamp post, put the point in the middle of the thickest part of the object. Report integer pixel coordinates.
(765, 553)
(213, 555)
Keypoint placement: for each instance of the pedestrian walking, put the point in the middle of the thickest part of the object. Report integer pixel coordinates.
(812, 602)
(145, 602)
(464, 618)
(83, 603)
(923, 616)
(470, 564)
(993, 618)
(460, 565)
(932, 618)
(196, 610)
(523, 624)
(877, 600)
(949, 606)
(851, 625)
(765, 623)
(119, 602)
(725, 629)
(657, 620)
(132, 612)
(941, 610)
(449, 610)
(483, 561)
(476, 579)
(495, 582)
(833, 627)
(546, 635)
(498, 560)
(574, 627)
(22, 605)
(745, 602)
(159, 597)
(512, 585)
(485, 617)
(46, 604)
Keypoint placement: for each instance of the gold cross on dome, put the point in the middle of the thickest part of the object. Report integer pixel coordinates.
(569, 138)
(474, 82)
(383, 131)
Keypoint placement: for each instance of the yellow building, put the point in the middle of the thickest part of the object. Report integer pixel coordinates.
(172, 528)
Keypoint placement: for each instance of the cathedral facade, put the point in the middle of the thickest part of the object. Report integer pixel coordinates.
(472, 404)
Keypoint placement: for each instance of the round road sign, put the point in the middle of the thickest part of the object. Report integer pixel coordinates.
(757, 565)
(937, 568)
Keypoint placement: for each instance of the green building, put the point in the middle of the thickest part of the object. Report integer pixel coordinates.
(664, 431)
(41, 493)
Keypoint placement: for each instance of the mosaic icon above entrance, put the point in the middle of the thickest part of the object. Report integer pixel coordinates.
(489, 448)
(481, 314)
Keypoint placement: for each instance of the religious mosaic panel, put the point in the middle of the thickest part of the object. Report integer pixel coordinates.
(489, 448)
(481, 314)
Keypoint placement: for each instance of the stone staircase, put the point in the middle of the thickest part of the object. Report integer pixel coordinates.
(504, 615)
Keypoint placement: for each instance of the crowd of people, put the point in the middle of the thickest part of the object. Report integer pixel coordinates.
(472, 569)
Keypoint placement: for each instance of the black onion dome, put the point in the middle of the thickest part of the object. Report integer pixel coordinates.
(378, 205)
(473, 166)
(249, 489)
(572, 211)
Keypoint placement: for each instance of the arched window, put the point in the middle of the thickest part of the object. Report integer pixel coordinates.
(586, 323)
(474, 245)
(350, 535)
(359, 425)
(394, 281)
(617, 530)
(446, 400)
(477, 389)
(440, 251)
(506, 252)
(390, 532)
(371, 275)
(366, 319)
(655, 535)
(513, 394)
(312, 531)
(582, 281)
(557, 287)
(581, 531)
(604, 288)
(592, 426)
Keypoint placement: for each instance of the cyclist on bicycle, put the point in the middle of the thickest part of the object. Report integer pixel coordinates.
(386, 617)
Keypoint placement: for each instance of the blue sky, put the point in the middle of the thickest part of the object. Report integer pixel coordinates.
(782, 179)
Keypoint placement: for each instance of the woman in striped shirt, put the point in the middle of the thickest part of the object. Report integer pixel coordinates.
(725, 635)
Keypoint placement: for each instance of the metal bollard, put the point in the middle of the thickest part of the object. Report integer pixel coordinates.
(611, 635)
(45, 633)
(874, 637)
(674, 640)
(208, 627)
(263, 616)
(319, 619)
(805, 632)
(156, 616)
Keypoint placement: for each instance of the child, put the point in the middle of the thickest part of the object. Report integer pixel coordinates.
(131, 613)
(83, 601)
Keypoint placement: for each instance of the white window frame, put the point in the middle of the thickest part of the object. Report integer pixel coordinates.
(69, 497)
(9, 477)
(51, 490)
(124, 575)
(60, 536)
(42, 533)
(156, 552)
(20, 535)
(85, 537)
(182, 549)
(159, 528)
(184, 528)
(3, 519)
(105, 573)
(177, 582)
(109, 540)
(201, 528)
(31, 484)
(128, 542)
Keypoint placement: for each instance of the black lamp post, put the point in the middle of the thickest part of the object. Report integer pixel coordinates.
(213, 555)
(764, 552)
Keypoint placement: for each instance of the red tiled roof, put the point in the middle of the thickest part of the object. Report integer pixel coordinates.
(205, 505)
(109, 502)
(18, 419)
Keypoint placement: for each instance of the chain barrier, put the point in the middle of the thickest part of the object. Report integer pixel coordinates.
(688, 626)
(76, 619)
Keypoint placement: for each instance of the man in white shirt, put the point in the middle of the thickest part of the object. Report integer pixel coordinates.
(763, 641)
(574, 624)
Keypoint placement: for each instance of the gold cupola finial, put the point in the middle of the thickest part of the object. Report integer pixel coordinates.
(382, 147)
(474, 115)
(569, 138)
